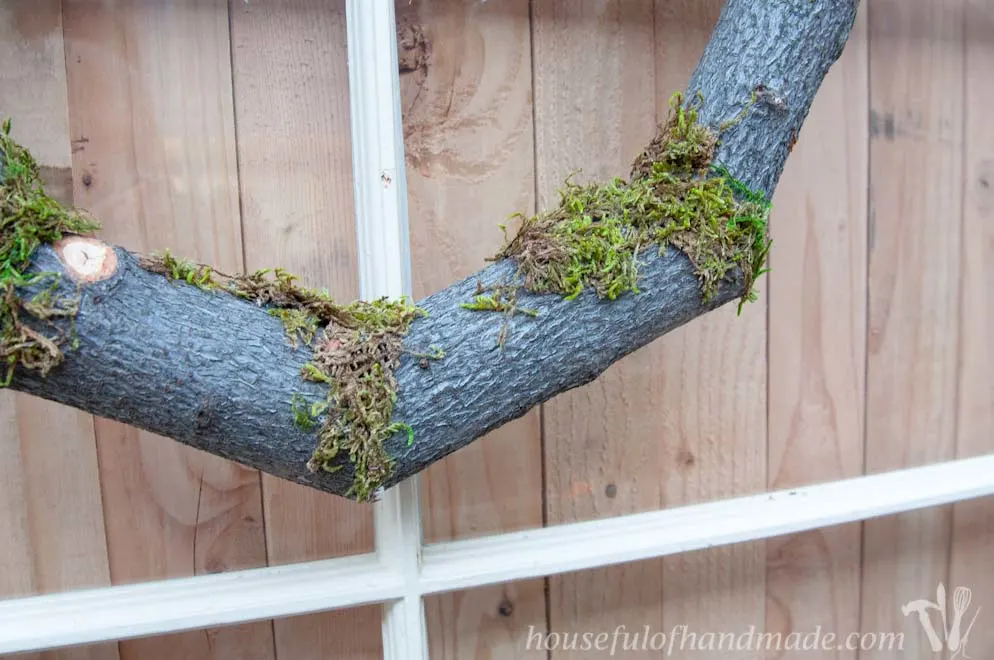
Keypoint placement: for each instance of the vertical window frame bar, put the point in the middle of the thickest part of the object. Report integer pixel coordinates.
(383, 238)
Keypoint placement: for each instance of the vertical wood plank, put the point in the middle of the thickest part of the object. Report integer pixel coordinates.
(468, 131)
(712, 403)
(594, 111)
(586, 52)
(817, 336)
(702, 386)
(973, 522)
(916, 130)
(290, 70)
(50, 510)
(154, 158)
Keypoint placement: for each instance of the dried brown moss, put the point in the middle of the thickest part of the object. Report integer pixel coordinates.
(356, 347)
(356, 350)
(677, 196)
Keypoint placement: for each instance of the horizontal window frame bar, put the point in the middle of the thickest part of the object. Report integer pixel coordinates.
(128, 611)
(541, 552)
(122, 612)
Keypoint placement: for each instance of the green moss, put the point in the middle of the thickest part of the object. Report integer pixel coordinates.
(495, 302)
(300, 326)
(358, 352)
(183, 270)
(306, 415)
(28, 219)
(676, 197)
(356, 349)
(502, 298)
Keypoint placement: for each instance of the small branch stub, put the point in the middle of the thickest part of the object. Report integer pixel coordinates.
(86, 259)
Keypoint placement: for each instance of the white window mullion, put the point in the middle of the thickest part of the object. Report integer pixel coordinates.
(396, 576)
(398, 544)
(87, 616)
(530, 553)
(402, 570)
(384, 270)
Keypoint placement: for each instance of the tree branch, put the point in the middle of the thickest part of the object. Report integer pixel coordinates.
(217, 372)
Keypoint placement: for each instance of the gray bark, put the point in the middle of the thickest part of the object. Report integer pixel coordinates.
(217, 373)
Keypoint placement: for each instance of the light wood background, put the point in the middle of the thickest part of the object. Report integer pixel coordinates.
(221, 131)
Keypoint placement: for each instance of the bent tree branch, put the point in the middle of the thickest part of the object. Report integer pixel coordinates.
(216, 372)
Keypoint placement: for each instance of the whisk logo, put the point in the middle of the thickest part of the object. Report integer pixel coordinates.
(954, 635)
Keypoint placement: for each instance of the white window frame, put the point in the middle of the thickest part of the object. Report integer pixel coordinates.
(402, 570)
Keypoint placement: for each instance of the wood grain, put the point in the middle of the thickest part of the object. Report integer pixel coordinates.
(154, 157)
(468, 134)
(153, 120)
(681, 420)
(916, 131)
(711, 405)
(817, 334)
(468, 141)
(582, 55)
(50, 508)
(290, 72)
(476, 388)
(973, 522)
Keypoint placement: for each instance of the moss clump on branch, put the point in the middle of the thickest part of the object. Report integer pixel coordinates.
(356, 347)
(356, 350)
(30, 218)
(502, 298)
(676, 196)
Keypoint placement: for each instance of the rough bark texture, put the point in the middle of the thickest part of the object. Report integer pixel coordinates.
(205, 368)
(217, 373)
(781, 50)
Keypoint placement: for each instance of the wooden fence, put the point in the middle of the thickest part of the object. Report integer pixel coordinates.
(222, 132)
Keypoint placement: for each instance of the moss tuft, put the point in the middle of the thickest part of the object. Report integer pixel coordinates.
(503, 298)
(356, 349)
(676, 196)
(29, 218)
(299, 325)
(180, 269)
(357, 355)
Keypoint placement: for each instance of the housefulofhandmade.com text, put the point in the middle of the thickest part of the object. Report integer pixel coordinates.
(680, 639)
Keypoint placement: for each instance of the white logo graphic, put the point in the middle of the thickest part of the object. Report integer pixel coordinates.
(952, 638)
